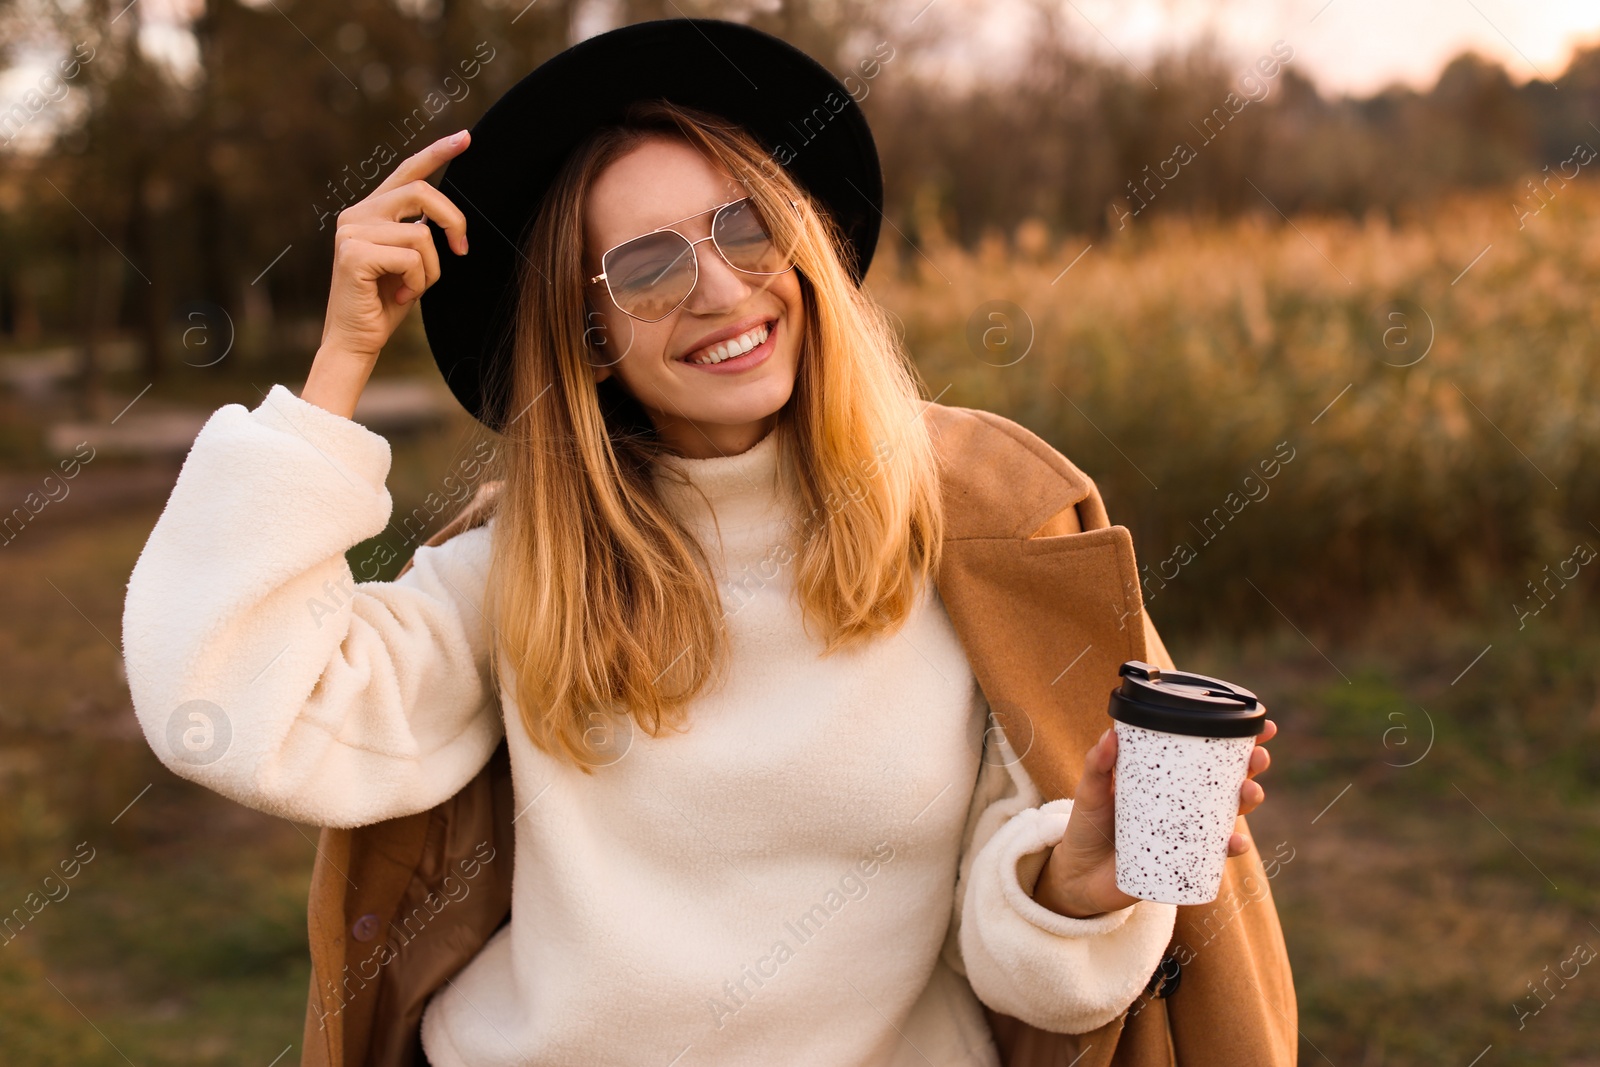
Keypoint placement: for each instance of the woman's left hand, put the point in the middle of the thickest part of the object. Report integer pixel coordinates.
(1080, 876)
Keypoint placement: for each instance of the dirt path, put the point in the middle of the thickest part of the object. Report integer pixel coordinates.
(32, 503)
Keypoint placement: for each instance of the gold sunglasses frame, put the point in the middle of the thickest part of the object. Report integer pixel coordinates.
(694, 255)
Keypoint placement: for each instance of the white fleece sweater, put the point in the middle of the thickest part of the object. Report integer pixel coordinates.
(830, 866)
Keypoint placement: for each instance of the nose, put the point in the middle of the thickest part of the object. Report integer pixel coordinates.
(720, 288)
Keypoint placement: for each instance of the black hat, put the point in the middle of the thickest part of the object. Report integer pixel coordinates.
(788, 101)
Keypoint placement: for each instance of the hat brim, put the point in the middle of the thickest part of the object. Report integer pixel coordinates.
(788, 101)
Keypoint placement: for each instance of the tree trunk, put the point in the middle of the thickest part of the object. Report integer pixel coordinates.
(144, 248)
(91, 376)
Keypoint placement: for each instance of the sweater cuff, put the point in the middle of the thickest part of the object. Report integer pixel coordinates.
(1052, 971)
(1033, 833)
(345, 443)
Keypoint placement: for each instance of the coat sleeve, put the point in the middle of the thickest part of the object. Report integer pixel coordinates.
(260, 669)
(1023, 960)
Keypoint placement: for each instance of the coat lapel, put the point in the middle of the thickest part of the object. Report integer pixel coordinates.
(1046, 621)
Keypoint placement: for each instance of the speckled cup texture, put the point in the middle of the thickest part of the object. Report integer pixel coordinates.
(1177, 798)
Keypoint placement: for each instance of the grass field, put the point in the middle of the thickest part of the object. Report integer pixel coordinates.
(1443, 421)
(1436, 774)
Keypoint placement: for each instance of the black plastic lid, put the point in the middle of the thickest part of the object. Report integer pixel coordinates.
(1178, 703)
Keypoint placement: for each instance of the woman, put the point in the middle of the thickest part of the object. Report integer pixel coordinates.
(755, 778)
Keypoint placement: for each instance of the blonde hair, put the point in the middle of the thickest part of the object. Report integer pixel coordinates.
(600, 599)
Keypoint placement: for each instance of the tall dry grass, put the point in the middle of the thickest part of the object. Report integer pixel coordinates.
(1177, 355)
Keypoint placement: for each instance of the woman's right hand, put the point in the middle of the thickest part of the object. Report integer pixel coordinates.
(381, 264)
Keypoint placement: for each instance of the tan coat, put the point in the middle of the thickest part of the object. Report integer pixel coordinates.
(1035, 579)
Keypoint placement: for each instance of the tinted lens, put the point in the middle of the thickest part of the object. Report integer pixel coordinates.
(744, 240)
(651, 275)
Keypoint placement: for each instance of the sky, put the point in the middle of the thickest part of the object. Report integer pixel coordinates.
(1345, 46)
(1353, 46)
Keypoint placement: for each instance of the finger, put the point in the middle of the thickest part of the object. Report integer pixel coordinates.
(425, 162)
(407, 235)
(420, 198)
(1260, 760)
(402, 235)
(1095, 789)
(1238, 844)
(1250, 797)
(1269, 730)
(374, 261)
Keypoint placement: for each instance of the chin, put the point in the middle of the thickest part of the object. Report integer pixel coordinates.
(767, 391)
(738, 414)
(762, 400)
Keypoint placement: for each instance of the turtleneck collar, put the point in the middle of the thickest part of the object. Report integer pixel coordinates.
(739, 490)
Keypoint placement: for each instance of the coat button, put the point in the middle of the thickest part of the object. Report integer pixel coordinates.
(1164, 982)
(365, 928)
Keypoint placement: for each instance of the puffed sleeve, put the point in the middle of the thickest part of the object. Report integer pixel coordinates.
(1051, 971)
(261, 669)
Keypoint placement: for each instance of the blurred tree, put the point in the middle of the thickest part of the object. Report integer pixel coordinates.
(215, 174)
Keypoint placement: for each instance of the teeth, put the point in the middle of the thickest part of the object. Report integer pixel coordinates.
(736, 346)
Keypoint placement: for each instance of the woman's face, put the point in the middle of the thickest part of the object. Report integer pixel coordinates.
(700, 410)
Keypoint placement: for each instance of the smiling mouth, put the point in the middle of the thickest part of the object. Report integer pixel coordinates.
(733, 346)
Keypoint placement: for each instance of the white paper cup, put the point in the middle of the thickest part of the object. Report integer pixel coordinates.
(1183, 751)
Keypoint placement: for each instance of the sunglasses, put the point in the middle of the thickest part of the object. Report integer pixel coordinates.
(650, 276)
